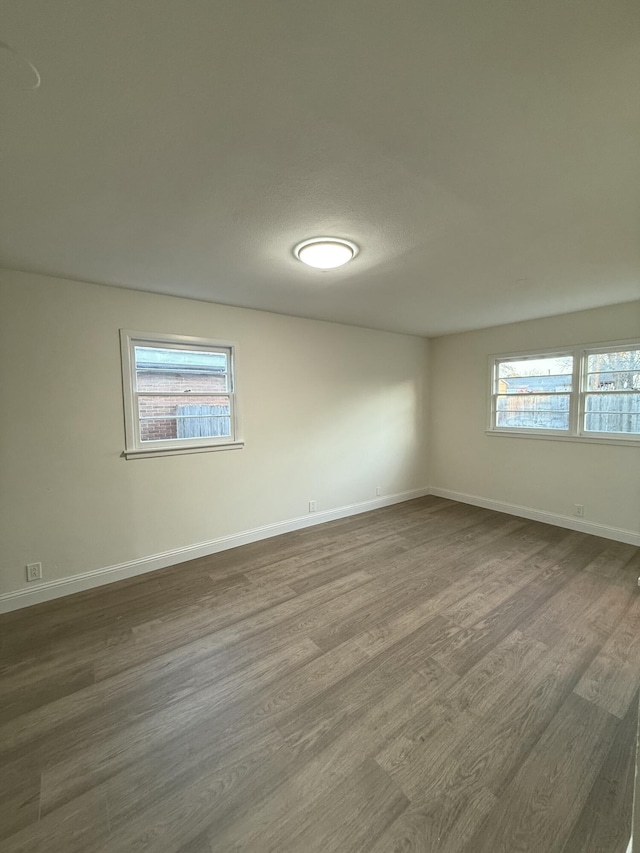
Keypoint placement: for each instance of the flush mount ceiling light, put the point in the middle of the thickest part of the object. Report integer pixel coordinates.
(325, 253)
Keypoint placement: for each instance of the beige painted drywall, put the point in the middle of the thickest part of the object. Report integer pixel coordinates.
(550, 476)
(329, 412)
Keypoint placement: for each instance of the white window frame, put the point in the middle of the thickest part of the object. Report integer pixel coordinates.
(134, 447)
(584, 391)
(497, 360)
(577, 395)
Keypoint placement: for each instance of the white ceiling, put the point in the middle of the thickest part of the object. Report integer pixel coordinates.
(485, 154)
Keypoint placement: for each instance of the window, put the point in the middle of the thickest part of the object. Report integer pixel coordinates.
(611, 389)
(579, 393)
(179, 394)
(534, 392)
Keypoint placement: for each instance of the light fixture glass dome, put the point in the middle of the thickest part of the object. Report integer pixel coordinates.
(325, 253)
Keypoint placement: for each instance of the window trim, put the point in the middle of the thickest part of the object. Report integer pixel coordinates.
(577, 395)
(134, 447)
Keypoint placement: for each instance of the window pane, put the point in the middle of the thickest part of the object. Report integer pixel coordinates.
(167, 418)
(550, 384)
(614, 371)
(624, 360)
(618, 413)
(185, 428)
(533, 411)
(546, 375)
(618, 380)
(177, 370)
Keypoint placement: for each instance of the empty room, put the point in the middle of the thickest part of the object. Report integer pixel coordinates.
(319, 426)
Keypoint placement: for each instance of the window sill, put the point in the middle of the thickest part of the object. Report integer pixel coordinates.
(180, 451)
(580, 439)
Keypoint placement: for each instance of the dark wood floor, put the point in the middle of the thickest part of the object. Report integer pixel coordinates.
(427, 677)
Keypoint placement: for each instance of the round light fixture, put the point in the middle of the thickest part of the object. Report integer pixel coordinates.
(325, 253)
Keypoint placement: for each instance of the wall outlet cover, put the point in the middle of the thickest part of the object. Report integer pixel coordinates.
(34, 572)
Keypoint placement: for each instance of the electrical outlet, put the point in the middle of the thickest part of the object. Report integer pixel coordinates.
(312, 506)
(34, 572)
(378, 490)
(579, 510)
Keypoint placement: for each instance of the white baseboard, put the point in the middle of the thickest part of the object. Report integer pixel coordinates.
(49, 590)
(615, 533)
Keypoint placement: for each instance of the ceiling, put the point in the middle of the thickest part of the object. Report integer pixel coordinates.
(484, 155)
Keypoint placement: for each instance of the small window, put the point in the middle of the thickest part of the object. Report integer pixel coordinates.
(611, 392)
(533, 393)
(179, 394)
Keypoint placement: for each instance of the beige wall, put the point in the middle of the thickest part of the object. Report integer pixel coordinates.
(329, 412)
(550, 476)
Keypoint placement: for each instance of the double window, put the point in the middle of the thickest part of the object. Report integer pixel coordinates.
(586, 392)
(179, 394)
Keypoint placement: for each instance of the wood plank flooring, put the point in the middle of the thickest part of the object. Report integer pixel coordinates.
(427, 677)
